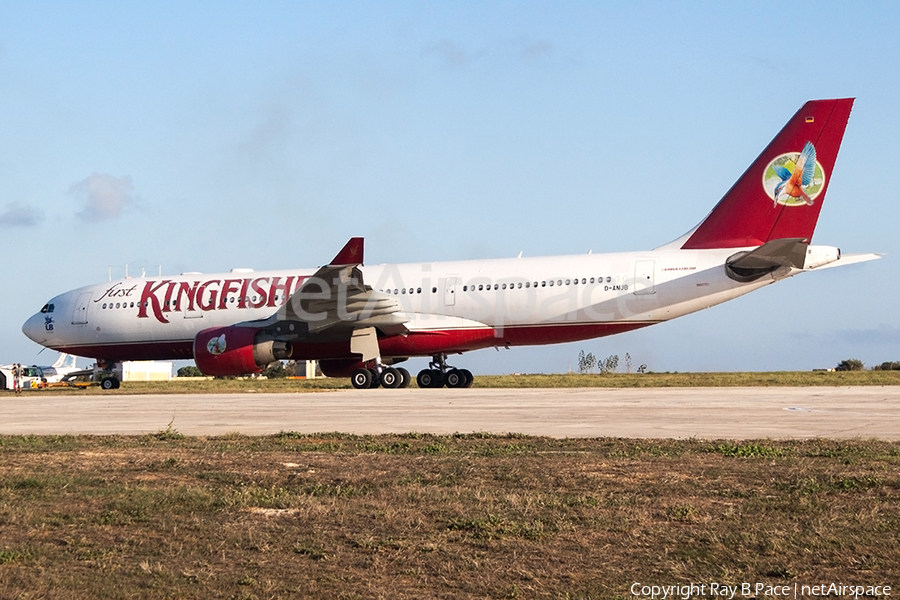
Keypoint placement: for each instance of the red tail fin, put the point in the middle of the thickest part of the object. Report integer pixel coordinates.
(781, 194)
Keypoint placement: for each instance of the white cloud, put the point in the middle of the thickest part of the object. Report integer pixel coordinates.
(449, 52)
(533, 50)
(103, 195)
(272, 135)
(20, 215)
(883, 334)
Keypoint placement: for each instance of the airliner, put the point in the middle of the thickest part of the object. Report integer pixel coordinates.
(361, 321)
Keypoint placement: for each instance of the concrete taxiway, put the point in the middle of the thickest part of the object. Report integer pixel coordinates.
(710, 413)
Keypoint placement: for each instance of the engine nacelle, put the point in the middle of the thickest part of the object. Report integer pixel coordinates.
(229, 351)
(817, 256)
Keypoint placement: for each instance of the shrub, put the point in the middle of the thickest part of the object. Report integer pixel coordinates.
(887, 366)
(586, 362)
(851, 364)
(609, 364)
(190, 371)
(277, 370)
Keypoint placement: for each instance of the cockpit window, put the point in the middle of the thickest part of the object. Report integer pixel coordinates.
(48, 308)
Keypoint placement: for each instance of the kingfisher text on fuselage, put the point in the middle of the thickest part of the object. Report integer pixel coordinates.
(166, 296)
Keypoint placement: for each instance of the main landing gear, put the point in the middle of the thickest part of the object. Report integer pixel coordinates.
(379, 375)
(440, 374)
(364, 341)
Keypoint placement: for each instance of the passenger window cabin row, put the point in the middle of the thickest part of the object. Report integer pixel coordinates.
(172, 303)
(482, 287)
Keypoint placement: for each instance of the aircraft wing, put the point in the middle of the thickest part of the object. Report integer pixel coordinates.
(337, 300)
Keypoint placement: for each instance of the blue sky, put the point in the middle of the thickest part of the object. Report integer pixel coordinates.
(203, 136)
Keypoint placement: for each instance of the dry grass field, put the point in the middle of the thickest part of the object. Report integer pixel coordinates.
(420, 516)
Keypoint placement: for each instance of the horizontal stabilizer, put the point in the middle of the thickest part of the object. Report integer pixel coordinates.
(851, 259)
(771, 256)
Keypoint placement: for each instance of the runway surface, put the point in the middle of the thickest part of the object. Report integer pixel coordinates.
(710, 413)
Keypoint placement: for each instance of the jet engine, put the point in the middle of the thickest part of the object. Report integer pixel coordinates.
(237, 350)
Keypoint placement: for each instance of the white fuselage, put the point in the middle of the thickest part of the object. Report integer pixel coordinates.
(114, 319)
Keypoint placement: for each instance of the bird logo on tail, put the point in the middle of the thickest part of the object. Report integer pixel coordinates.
(794, 179)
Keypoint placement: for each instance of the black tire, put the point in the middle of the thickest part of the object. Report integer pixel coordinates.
(405, 377)
(438, 378)
(361, 379)
(391, 378)
(376, 379)
(110, 383)
(429, 378)
(455, 378)
(423, 379)
(470, 379)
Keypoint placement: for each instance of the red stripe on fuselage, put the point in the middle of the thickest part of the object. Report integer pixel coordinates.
(175, 350)
(426, 343)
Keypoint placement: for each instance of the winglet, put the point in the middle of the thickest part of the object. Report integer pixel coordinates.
(350, 254)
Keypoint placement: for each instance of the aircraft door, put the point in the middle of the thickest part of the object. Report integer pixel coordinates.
(190, 310)
(79, 315)
(643, 277)
(450, 291)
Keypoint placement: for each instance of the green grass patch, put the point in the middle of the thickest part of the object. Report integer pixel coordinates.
(496, 527)
(747, 450)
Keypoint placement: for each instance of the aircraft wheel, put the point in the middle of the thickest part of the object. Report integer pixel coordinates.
(376, 379)
(391, 378)
(404, 377)
(470, 379)
(110, 383)
(455, 379)
(361, 379)
(429, 378)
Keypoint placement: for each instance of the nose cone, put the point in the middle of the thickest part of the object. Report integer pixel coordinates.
(36, 328)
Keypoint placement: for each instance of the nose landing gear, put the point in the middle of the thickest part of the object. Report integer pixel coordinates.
(108, 373)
